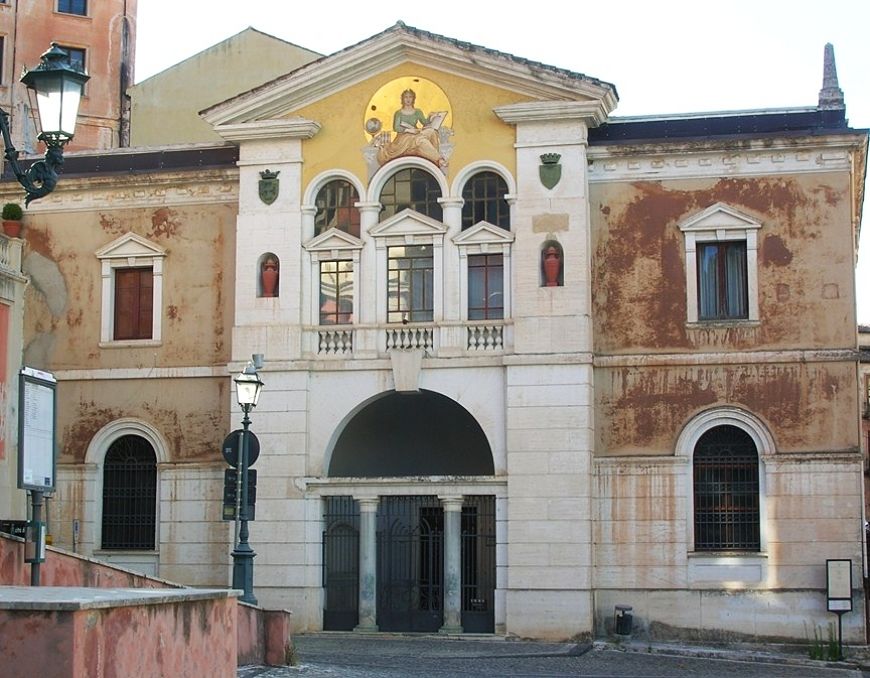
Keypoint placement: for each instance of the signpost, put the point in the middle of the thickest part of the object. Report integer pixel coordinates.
(37, 408)
(839, 593)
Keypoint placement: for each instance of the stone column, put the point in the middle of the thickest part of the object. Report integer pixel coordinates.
(452, 564)
(368, 566)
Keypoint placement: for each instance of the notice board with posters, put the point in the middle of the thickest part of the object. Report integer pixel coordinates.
(37, 404)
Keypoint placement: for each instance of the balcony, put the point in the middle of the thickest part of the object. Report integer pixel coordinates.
(473, 338)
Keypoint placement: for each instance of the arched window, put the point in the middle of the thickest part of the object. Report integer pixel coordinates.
(726, 491)
(335, 208)
(484, 200)
(129, 495)
(411, 188)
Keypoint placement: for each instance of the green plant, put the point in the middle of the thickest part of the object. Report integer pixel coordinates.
(12, 212)
(817, 650)
(822, 649)
(833, 646)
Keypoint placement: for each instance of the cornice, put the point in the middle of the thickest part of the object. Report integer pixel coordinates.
(288, 128)
(324, 77)
(727, 358)
(705, 158)
(165, 188)
(593, 113)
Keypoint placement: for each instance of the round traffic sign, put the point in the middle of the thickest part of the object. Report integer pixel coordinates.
(230, 448)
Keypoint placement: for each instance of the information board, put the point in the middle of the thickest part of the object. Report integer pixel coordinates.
(37, 396)
(839, 584)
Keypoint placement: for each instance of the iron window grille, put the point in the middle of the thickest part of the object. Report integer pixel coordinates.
(726, 497)
(484, 200)
(129, 495)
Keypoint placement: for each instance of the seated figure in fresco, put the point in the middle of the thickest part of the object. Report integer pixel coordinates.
(421, 141)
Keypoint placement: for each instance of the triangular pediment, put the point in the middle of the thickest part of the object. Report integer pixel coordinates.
(398, 45)
(333, 239)
(406, 223)
(129, 246)
(719, 217)
(483, 233)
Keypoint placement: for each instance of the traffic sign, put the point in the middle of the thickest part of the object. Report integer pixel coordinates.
(230, 448)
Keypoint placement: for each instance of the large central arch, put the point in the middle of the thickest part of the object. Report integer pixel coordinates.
(411, 434)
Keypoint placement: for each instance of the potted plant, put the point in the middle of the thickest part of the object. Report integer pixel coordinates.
(11, 217)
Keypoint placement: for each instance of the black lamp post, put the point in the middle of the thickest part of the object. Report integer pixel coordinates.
(248, 387)
(58, 86)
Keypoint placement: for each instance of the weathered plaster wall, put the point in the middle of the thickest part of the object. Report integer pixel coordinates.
(805, 264)
(806, 406)
(62, 329)
(191, 413)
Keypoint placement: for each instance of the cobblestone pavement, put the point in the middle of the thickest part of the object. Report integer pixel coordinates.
(340, 655)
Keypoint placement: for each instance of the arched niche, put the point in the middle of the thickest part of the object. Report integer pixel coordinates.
(552, 264)
(411, 434)
(268, 275)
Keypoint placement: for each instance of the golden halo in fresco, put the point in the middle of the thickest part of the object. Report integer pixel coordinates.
(388, 99)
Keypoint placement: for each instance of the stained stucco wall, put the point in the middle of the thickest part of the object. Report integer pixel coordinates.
(176, 385)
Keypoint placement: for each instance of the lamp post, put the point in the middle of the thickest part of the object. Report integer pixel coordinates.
(58, 86)
(248, 387)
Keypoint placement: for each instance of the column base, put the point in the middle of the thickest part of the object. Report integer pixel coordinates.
(451, 630)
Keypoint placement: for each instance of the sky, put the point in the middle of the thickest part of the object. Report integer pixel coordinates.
(669, 56)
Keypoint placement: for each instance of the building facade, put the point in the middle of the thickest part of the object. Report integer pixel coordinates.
(100, 36)
(524, 361)
(164, 108)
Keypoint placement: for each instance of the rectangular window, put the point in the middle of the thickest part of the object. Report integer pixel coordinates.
(722, 281)
(485, 287)
(133, 303)
(409, 283)
(76, 56)
(336, 292)
(79, 7)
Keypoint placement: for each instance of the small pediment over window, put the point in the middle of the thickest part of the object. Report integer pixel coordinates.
(483, 233)
(719, 217)
(408, 222)
(130, 246)
(333, 239)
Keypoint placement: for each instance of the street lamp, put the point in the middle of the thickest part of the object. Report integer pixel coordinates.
(58, 86)
(248, 387)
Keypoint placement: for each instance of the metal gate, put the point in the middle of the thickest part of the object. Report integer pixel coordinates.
(478, 564)
(341, 564)
(410, 564)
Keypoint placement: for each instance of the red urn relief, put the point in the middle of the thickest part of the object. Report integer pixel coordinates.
(269, 277)
(552, 266)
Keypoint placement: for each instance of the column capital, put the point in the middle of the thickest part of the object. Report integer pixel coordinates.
(451, 502)
(368, 504)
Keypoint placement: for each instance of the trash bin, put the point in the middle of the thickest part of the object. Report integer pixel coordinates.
(623, 620)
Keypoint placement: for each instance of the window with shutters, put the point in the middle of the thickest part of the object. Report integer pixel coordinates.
(132, 291)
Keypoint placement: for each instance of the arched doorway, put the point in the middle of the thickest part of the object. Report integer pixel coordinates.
(418, 537)
(411, 434)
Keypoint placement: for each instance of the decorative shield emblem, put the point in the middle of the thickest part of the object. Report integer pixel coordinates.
(550, 170)
(269, 186)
